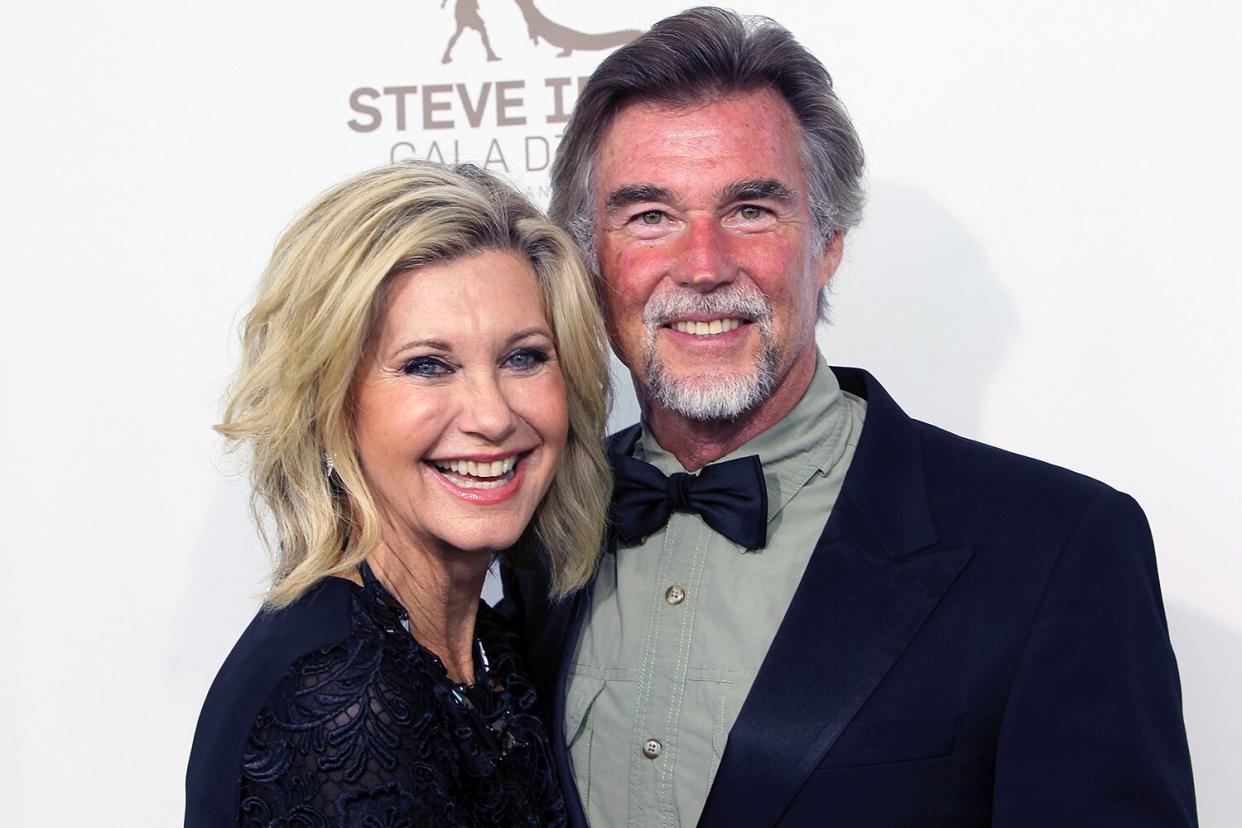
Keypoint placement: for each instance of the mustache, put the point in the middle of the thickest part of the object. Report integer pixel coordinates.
(743, 301)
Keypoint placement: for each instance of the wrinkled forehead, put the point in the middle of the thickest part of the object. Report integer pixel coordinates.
(705, 144)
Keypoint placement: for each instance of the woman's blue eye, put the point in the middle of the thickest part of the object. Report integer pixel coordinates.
(425, 367)
(526, 359)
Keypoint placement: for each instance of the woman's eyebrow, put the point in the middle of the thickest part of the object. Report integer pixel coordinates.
(433, 344)
(529, 332)
(445, 347)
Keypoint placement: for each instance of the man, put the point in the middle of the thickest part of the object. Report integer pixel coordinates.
(874, 622)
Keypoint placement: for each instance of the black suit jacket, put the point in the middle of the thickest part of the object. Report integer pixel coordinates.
(978, 639)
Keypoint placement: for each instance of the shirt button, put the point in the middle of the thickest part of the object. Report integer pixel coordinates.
(674, 595)
(652, 748)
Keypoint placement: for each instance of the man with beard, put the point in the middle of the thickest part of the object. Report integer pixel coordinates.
(814, 609)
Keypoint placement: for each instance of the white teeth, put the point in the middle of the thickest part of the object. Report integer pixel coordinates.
(466, 483)
(464, 469)
(716, 326)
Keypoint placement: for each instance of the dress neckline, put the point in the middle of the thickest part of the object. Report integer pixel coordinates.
(393, 615)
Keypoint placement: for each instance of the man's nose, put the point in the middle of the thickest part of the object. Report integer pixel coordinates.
(486, 411)
(702, 262)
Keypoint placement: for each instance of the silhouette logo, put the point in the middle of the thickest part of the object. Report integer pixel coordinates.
(538, 28)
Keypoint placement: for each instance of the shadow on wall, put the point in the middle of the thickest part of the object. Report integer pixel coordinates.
(917, 303)
(1208, 657)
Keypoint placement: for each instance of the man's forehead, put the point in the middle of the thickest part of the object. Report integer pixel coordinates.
(716, 145)
(764, 109)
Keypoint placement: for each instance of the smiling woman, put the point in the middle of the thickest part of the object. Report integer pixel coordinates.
(424, 387)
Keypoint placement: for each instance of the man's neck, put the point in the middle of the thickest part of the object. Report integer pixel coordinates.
(695, 443)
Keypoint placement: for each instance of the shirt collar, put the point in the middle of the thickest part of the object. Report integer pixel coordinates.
(810, 440)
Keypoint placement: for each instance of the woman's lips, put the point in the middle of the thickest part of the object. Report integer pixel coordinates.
(475, 482)
(472, 471)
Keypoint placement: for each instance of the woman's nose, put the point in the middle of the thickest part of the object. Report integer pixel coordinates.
(486, 411)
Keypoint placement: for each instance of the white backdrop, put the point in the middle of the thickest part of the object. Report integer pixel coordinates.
(1049, 263)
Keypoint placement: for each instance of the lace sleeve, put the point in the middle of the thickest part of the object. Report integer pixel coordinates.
(325, 749)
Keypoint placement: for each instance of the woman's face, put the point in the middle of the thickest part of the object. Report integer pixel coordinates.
(460, 411)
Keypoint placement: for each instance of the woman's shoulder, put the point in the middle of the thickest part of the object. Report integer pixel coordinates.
(274, 642)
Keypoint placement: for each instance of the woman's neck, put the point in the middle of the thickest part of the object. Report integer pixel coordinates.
(440, 592)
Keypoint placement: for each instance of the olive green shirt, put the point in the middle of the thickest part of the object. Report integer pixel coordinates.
(679, 623)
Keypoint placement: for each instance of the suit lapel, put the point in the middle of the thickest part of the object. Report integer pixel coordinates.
(550, 633)
(575, 613)
(874, 577)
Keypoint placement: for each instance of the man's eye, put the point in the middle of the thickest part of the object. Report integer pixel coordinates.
(651, 217)
(425, 367)
(526, 359)
(749, 212)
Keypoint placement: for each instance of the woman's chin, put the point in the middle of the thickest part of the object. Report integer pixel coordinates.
(487, 544)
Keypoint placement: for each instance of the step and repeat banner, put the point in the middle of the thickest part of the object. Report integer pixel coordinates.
(1048, 262)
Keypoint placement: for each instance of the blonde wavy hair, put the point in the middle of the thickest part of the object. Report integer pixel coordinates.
(316, 309)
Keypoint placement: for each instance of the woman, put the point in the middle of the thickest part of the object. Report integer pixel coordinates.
(424, 386)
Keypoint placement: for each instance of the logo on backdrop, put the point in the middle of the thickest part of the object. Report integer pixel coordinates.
(538, 26)
(505, 124)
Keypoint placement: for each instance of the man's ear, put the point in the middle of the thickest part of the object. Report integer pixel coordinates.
(830, 259)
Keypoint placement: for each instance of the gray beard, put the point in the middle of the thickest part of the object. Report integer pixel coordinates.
(712, 395)
(722, 396)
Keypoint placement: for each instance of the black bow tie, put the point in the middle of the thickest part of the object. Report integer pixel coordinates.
(730, 497)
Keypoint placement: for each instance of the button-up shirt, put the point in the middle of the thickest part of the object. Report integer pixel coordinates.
(679, 623)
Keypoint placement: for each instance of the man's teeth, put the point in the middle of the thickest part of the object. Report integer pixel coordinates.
(707, 328)
(475, 475)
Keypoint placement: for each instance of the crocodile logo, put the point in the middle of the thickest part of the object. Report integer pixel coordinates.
(538, 28)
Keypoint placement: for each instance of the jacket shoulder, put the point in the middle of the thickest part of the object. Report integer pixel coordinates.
(987, 488)
(271, 644)
(951, 454)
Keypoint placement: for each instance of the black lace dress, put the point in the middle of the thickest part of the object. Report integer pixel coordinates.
(329, 713)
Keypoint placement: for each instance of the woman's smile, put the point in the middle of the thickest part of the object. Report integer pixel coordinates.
(483, 482)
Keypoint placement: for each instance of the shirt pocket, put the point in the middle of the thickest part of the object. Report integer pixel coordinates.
(728, 704)
(579, 701)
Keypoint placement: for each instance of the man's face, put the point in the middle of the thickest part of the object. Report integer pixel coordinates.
(708, 251)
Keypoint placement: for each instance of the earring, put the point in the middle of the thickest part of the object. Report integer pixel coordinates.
(329, 462)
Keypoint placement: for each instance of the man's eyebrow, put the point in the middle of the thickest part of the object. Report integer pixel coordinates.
(634, 193)
(757, 189)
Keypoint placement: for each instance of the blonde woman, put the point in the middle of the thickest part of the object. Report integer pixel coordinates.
(424, 387)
